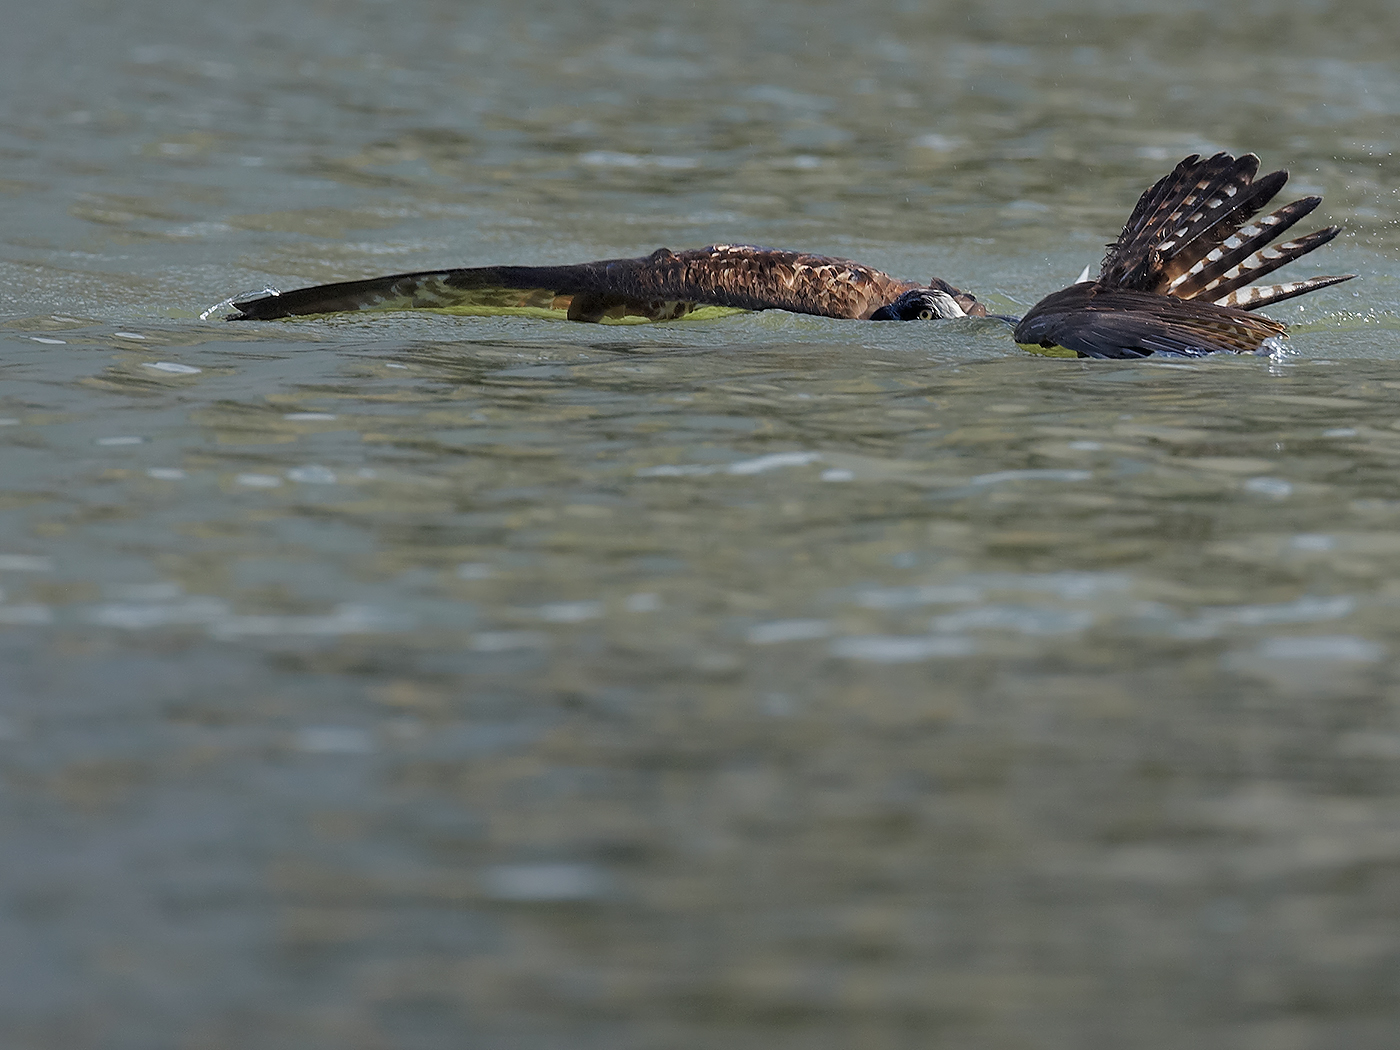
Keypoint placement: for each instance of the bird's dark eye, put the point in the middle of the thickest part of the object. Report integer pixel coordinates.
(925, 314)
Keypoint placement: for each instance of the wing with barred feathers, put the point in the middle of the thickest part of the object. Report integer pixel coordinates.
(1193, 236)
(1193, 189)
(1092, 321)
(660, 286)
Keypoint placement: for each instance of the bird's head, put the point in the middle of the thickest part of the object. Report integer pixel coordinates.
(920, 304)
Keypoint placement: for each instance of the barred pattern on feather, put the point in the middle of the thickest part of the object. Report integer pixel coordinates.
(1179, 278)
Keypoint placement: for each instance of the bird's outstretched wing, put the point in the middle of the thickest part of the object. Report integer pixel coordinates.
(660, 286)
(1178, 279)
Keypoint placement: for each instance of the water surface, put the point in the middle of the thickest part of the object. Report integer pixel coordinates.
(761, 681)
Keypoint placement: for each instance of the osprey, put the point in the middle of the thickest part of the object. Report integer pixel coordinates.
(658, 287)
(1177, 281)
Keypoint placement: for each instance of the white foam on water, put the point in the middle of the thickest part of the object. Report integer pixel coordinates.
(258, 481)
(173, 367)
(772, 462)
(743, 467)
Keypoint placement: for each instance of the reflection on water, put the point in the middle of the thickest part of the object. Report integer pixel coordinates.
(752, 681)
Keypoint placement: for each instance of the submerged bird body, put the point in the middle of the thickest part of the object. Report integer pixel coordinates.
(661, 286)
(1178, 279)
(1089, 320)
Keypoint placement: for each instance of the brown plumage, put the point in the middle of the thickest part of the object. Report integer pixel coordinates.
(660, 286)
(1178, 278)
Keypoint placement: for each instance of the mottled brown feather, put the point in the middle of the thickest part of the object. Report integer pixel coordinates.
(659, 286)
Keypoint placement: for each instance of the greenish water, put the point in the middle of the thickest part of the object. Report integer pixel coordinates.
(759, 681)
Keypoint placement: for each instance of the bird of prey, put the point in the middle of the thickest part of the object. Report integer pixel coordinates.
(661, 286)
(1178, 279)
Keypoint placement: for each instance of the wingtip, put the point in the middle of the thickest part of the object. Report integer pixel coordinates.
(246, 305)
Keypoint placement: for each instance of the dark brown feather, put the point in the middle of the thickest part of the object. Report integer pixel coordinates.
(1166, 215)
(1191, 236)
(1216, 221)
(1265, 261)
(1094, 321)
(1238, 242)
(659, 286)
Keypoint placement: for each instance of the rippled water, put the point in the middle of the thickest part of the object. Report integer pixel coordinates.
(419, 681)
